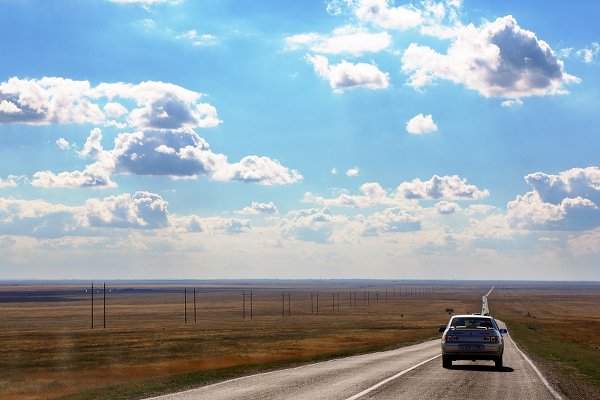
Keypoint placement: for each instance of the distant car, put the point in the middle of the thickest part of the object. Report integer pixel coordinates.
(472, 337)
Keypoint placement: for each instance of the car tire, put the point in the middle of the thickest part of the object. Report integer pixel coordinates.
(446, 362)
(498, 362)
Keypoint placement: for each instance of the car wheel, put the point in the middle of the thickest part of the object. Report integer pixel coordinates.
(498, 362)
(446, 362)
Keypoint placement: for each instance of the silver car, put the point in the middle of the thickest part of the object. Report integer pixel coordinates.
(472, 337)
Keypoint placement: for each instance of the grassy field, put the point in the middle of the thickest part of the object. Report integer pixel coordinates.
(558, 325)
(49, 349)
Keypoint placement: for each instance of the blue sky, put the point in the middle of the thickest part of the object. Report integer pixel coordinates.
(319, 139)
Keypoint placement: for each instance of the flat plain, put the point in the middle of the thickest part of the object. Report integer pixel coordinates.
(155, 342)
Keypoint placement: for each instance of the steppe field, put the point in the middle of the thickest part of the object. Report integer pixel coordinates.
(156, 337)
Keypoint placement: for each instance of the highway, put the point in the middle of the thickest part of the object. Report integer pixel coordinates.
(413, 372)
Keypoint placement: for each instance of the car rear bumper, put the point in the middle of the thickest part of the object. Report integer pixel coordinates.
(455, 351)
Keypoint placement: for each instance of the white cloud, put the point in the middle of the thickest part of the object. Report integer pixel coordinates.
(372, 194)
(71, 180)
(40, 219)
(512, 103)
(115, 110)
(588, 55)
(498, 59)
(11, 181)
(204, 39)
(260, 208)
(584, 182)
(261, 170)
(63, 144)
(567, 201)
(441, 187)
(210, 225)
(140, 210)
(381, 14)
(406, 194)
(421, 124)
(177, 153)
(352, 172)
(446, 208)
(586, 243)
(311, 225)
(391, 220)
(8, 107)
(334, 171)
(344, 40)
(52, 100)
(346, 75)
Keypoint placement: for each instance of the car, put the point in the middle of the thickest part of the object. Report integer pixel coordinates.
(472, 337)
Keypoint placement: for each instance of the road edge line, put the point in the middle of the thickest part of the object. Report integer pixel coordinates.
(391, 378)
(537, 371)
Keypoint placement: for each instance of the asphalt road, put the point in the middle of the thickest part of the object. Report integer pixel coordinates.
(413, 372)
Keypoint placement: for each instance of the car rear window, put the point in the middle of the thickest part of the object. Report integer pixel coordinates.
(471, 323)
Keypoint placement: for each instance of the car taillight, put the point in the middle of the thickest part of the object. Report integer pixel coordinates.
(492, 339)
(450, 338)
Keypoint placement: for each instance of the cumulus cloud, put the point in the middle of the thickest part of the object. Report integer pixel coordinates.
(63, 144)
(344, 40)
(140, 210)
(41, 219)
(441, 187)
(71, 180)
(203, 39)
(512, 103)
(586, 243)
(421, 124)
(497, 59)
(177, 153)
(588, 55)
(346, 75)
(311, 225)
(260, 208)
(373, 194)
(53, 100)
(583, 182)
(381, 14)
(567, 201)
(11, 181)
(391, 220)
(352, 172)
(446, 207)
(261, 170)
(210, 225)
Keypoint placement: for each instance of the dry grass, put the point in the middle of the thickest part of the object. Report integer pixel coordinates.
(48, 349)
(557, 324)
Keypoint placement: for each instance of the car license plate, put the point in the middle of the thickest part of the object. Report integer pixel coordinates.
(471, 347)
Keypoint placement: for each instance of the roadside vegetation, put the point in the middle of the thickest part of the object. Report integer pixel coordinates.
(557, 326)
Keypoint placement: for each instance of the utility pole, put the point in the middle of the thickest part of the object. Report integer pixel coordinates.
(104, 306)
(92, 305)
(243, 304)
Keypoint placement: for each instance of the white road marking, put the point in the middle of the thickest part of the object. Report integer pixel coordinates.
(391, 378)
(537, 371)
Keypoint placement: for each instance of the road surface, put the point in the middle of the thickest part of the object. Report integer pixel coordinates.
(413, 372)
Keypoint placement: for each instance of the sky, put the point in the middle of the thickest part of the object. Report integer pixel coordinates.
(179, 139)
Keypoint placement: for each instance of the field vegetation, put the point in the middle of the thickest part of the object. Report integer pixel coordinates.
(50, 351)
(558, 325)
